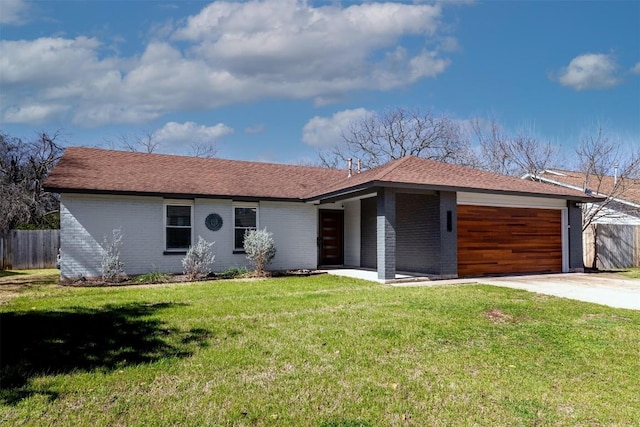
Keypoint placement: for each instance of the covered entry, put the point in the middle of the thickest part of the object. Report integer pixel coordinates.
(505, 240)
(414, 215)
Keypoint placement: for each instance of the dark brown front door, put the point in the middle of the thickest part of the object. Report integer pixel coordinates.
(331, 223)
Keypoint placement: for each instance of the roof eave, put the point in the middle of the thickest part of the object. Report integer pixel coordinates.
(371, 185)
(595, 195)
(168, 195)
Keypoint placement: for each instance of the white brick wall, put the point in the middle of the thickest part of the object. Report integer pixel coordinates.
(86, 219)
(295, 231)
(223, 238)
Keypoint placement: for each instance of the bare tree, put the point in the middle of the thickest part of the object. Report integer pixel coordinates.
(611, 170)
(143, 142)
(513, 155)
(148, 142)
(207, 150)
(23, 168)
(379, 138)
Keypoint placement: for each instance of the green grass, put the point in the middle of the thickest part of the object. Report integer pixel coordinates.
(16, 282)
(631, 273)
(314, 351)
(47, 272)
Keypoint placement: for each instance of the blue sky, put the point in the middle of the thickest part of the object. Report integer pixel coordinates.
(276, 80)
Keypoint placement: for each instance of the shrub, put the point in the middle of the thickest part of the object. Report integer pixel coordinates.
(112, 267)
(260, 249)
(199, 259)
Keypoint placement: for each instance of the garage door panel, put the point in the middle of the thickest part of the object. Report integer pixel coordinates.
(495, 240)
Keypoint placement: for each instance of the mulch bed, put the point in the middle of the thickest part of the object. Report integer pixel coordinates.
(182, 278)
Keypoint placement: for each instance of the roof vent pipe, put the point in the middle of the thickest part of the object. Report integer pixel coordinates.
(350, 166)
(359, 166)
(615, 174)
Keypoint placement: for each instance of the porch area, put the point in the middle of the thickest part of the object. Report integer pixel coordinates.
(390, 235)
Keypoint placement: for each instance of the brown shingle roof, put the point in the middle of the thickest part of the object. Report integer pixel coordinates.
(107, 171)
(98, 170)
(437, 175)
(629, 189)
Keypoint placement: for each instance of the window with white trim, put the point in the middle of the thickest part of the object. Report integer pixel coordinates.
(178, 229)
(245, 217)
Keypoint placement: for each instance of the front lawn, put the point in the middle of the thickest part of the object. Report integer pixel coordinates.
(314, 351)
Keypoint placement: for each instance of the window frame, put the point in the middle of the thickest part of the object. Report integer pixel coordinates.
(165, 207)
(256, 206)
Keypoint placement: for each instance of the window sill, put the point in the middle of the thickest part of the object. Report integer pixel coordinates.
(238, 251)
(174, 253)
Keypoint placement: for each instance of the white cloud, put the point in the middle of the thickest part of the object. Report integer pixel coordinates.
(13, 11)
(187, 133)
(228, 53)
(636, 68)
(590, 71)
(49, 61)
(50, 72)
(278, 22)
(327, 131)
(288, 48)
(35, 113)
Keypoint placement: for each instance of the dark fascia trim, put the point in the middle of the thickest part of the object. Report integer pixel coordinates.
(489, 191)
(331, 197)
(353, 194)
(171, 195)
(345, 193)
(372, 185)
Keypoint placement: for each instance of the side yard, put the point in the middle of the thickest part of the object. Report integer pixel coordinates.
(313, 351)
(16, 282)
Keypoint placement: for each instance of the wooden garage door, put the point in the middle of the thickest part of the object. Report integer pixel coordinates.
(498, 240)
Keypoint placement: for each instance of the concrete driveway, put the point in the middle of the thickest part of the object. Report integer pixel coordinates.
(600, 288)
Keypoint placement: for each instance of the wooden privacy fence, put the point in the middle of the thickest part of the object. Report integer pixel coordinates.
(27, 249)
(618, 246)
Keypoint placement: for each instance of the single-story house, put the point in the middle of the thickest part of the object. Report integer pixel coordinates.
(615, 232)
(411, 214)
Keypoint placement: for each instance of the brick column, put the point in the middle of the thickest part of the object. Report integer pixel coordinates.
(386, 234)
(576, 262)
(448, 234)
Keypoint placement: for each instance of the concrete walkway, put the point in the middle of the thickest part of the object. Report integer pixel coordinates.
(601, 288)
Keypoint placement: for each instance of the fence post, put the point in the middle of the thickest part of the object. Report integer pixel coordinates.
(6, 254)
(2, 244)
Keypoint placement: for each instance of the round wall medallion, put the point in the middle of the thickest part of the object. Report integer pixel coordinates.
(213, 222)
